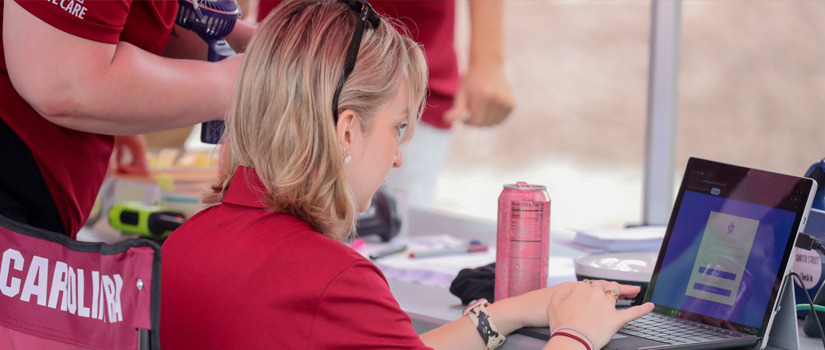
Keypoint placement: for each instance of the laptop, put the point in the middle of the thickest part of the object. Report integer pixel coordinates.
(725, 253)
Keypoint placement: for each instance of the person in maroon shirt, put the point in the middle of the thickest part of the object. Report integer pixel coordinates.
(315, 126)
(74, 73)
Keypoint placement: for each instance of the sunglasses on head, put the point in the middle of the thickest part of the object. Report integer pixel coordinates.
(366, 14)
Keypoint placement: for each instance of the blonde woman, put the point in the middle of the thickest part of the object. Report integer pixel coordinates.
(327, 92)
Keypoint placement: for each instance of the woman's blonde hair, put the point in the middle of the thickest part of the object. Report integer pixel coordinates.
(281, 120)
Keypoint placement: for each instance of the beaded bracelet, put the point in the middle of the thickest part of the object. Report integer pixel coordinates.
(572, 336)
(583, 333)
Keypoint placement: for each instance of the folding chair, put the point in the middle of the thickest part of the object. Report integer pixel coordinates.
(56, 293)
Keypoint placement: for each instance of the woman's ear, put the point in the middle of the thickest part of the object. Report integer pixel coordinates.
(347, 122)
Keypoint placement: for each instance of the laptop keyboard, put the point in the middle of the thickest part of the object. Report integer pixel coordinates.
(671, 330)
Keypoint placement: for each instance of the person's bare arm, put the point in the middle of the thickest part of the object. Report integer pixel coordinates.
(484, 97)
(552, 306)
(508, 315)
(107, 88)
(240, 35)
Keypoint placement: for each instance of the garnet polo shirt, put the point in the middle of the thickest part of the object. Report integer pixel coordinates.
(236, 276)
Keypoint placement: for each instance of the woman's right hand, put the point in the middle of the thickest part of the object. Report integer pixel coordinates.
(590, 307)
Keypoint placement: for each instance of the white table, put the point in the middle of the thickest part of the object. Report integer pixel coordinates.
(431, 306)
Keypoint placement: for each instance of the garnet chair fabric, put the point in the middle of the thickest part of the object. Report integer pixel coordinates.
(57, 293)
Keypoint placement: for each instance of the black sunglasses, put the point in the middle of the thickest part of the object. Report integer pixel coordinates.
(366, 13)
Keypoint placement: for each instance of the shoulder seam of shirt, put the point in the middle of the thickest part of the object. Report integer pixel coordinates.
(321, 295)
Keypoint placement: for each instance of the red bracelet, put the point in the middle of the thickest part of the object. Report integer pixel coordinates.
(572, 336)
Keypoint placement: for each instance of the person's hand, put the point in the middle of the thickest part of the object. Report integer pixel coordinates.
(531, 307)
(136, 146)
(591, 307)
(484, 97)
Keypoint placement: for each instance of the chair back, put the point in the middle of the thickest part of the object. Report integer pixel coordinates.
(57, 293)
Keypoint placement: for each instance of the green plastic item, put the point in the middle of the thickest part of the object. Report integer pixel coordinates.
(807, 307)
(151, 221)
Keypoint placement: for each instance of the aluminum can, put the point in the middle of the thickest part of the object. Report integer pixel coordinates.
(523, 239)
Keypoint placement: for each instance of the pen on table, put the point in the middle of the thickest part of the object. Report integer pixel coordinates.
(472, 248)
(388, 251)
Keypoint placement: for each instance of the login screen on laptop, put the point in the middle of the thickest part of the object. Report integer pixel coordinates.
(725, 249)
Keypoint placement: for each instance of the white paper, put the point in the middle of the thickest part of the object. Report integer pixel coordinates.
(641, 238)
(437, 270)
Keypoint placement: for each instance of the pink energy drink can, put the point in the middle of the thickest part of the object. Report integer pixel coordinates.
(523, 239)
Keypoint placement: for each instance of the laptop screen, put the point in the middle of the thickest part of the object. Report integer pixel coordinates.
(728, 244)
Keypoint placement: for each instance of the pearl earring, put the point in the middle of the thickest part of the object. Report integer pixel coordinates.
(348, 158)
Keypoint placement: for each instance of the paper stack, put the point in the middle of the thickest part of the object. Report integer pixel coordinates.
(634, 239)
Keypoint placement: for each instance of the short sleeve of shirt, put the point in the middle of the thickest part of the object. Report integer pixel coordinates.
(357, 311)
(97, 20)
